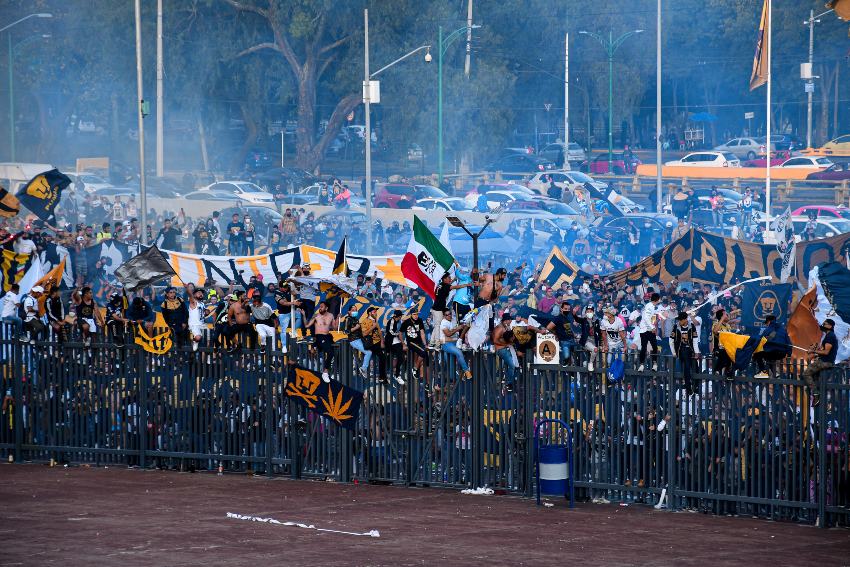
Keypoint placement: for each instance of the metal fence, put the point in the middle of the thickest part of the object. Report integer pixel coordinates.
(745, 446)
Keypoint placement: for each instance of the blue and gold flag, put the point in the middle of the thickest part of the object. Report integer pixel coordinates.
(332, 400)
(558, 269)
(43, 192)
(760, 70)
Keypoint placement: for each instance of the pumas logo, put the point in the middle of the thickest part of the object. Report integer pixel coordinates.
(767, 304)
(40, 189)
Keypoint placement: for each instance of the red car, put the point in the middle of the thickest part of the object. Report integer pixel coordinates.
(778, 159)
(832, 173)
(824, 211)
(394, 196)
(619, 164)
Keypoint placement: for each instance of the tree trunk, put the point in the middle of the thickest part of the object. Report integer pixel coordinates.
(835, 133)
(822, 132)
(305, 130)
(250, 137)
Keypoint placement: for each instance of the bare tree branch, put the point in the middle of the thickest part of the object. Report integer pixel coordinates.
(258, 47)
(282, 42)
(334, 45)
(242, 7)
(324, 65)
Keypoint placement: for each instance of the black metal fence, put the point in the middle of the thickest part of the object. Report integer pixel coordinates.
(747, 446)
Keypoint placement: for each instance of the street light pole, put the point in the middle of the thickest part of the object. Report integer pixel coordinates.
(456, 222)
(610, 48)
(811, 23)
(368, 131)
(143, 201)
(11, 80)
(658, 161)
(442, 45)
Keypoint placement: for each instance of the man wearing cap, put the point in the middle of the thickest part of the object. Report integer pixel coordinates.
(263, 317)
(33, 325)
(413, 341)
(397, 346)
(116, 321)
(88, 313)
(306, 294)
(286, 305)
(562, 327)
(176, 315)
(441, 303)
(684, 342)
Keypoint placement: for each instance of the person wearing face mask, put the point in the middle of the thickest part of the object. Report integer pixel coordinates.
(777, 347)
(613, 335)
(562, 327)
(373, 341)
(589, 334)
(684, 342)
(647, 328)
(722, 361)
(822, 357)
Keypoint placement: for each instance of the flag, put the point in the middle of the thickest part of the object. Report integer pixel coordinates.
(803, 328)
(558, 269)
(148, 267)
(35, 276)
(157, 344)
(831, 281)
(43, 192)
(13, 267)
(760, 70)
(782, 231)
(760, 299)
(741, 348)
(426, 259)
(331, 400)
(9, 204)
(479, 325)
(340, 264)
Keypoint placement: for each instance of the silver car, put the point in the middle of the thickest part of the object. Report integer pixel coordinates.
(554, 152)
(744, 148)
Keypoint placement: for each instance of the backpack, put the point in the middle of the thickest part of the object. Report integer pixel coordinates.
(616, 370)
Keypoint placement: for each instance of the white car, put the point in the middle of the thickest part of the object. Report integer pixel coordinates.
(500, 198)
(243, 190)
(707, 159)
(554, 152)
(825, 227)
(818, 162)
(441, 204)
(90, 182)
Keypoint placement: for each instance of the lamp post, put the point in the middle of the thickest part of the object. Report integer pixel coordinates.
(443, 44)
(810, 90)
(367, 103)
(610, 46)
(11, 80)
(488, 220)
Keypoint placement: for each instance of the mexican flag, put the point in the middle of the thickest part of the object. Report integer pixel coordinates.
(426, 259)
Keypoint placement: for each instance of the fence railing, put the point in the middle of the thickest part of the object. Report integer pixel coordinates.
(745, 446)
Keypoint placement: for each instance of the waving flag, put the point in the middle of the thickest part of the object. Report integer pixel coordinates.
(760, 70)
(783, 235)
(426, 260)
(43, 192)
(9, 204)
(148, 267)
(340, 263)
(331, 400)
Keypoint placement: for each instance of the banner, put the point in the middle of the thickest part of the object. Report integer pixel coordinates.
(9, 204)
(783, 235)
(199, 269)
(813, 252)
(13, 267)
(760, 70)
(331, 400)
(423, 307)
(760, 300)
(558, 269)
(144, 269)
(43, 192)
(158, 344)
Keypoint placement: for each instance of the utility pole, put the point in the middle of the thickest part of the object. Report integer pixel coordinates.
(658, 159)
(466, 67)
(160, 149)
(566, 98)
(140, 112)
(810, 93)
(368, 133)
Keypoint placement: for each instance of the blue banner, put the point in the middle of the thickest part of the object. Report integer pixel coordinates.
(759, 301)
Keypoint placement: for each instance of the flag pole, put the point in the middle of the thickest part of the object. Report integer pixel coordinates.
(767, 165)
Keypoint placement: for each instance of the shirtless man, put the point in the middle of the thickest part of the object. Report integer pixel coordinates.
(239, 320)
(491, 287)
(322, 321)
(503, 339)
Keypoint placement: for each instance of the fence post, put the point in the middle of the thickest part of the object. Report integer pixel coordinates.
(529, 380)
(822, 470)
(672, 442)
(18, 385)
(344, 449)
(477, 418)
(270, 417)
(142, 406)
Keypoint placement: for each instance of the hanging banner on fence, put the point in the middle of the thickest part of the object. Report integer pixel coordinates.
(13, 267)
(548, 349)
(331, 400)
(761, 300)
(239, 269)
(814, 252)
(157, 344)
(422, 306)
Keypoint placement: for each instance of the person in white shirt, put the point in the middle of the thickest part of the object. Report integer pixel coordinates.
(33, 325)
(448, 336)
(613, 334)
(648, 322)
(197, 314)
(10, 304)
(23, 245)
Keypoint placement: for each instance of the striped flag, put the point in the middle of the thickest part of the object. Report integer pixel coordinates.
(340, 263)
(426, 260)
(9, 204)
(760, 70)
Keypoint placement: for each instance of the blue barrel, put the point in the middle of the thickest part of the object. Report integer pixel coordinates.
(553, 470)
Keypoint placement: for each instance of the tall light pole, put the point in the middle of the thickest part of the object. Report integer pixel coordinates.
(140, 113)
(11, 79)
(658, 160)
(160, 144)
(810, 90)
(367, 103)
(610, 46)
(443, 44)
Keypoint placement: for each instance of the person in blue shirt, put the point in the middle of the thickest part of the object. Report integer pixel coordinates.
(463, 295)
(141, 312)
(777, 347)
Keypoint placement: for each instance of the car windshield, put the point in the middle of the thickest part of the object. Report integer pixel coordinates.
(580, 177)
(558, 208)
(520, 189)
(730, 156)
(841, 225)
(249, 188)
(423, 191)
(823, 161)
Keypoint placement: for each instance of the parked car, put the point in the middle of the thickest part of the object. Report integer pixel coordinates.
(835, 172)
(745, 148)
(786, 142)
(778, 158)
(257, 160)
(428, 192)
(554, 152)
(839, 144)
(286, 177)
(212, 196)
(112, 192)
(243, 190)
(818, 162)
(553, 206)
(487, 187)
(707, 159)
(620, 164)
(442, 204)
(88, 182)
(823, 211)
(501, 198)
(824, 227)
(394, 196)
(516, 165)
(347, 218)
(658, 221)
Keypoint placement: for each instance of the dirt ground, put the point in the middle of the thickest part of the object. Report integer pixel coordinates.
(98, 516)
